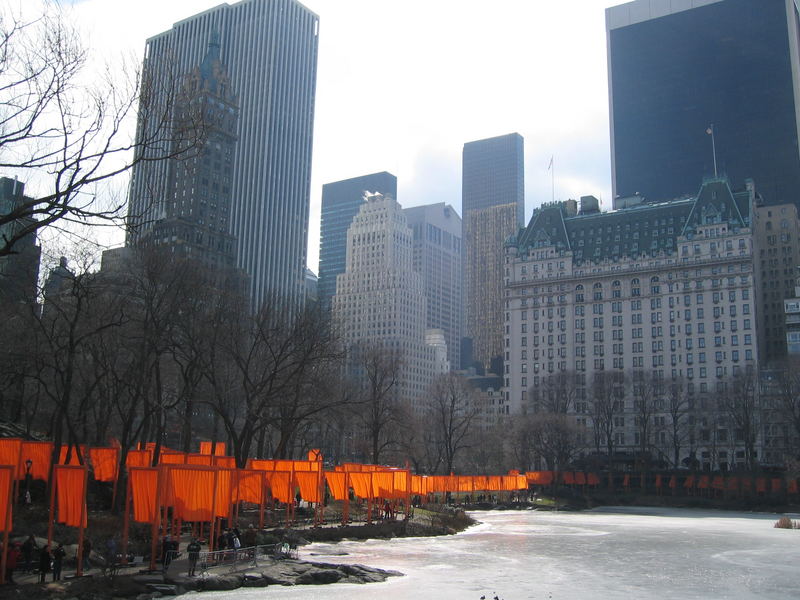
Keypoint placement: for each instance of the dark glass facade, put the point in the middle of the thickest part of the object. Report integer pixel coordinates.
(341, 201)
(493, 174)
(270, 50)
(728, 63)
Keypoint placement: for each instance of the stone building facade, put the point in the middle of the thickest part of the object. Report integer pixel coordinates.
(380, 298)
(649, 311)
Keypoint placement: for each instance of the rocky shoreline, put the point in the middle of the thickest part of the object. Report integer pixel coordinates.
(268, 571)
(283, 572)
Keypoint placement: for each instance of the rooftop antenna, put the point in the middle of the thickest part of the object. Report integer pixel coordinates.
(710, 131)
(552, 170)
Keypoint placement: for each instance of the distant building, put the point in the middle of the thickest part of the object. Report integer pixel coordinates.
(312, 285)
(270, 49)
(380, 298)
(341, 201)
(677, 67)
(792, 322)
(437, 257)
(493, 205)
(661, 292)
(776, 231)
(19, 272)
(196, 214)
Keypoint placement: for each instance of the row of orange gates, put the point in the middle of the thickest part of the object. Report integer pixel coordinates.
(688, 483)
(206, 487)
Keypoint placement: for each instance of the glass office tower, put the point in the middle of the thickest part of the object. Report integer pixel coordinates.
(676, 68)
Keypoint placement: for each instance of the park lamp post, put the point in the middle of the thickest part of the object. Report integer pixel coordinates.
(28, 465)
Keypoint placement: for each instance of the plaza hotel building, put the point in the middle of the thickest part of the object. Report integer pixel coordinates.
(662, 289)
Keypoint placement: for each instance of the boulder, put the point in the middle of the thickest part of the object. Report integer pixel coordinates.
(319, 576)
(219, 583)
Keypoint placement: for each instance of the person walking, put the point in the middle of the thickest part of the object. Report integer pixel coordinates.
(58, 557)
(87, 554)
(28, 549)
(11, 562)
(194, 554)
(44, 562)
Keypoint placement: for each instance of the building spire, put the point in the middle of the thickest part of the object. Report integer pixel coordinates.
(211, 57)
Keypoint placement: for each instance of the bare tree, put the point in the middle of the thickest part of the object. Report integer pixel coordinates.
(74, 129)
(678, 426)
(646, 391)
(377, 370)
(453, 410)
(742, 407)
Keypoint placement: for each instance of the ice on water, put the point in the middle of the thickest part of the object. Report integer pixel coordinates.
(606, 553)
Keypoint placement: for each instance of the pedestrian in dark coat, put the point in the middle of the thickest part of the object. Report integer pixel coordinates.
(58, 557)
(44, 562)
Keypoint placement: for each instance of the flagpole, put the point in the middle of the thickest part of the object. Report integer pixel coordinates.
(710, 131)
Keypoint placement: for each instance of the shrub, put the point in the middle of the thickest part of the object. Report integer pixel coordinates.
(786, 523)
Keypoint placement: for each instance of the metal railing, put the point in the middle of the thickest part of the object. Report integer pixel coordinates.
(241, 558)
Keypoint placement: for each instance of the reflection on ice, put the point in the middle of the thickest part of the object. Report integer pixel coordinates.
(607, 553)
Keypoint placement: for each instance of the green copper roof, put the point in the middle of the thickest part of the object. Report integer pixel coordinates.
(647, 229)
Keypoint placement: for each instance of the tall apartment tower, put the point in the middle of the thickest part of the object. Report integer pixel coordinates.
(270, 49)
(197, 209)
(676, 69)
(493, 206)
(776, 234)
(380, 297)
(341, 201)
(19, 272)
(437, 257)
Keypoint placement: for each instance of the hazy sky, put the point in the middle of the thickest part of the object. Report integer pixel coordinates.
(402, 84)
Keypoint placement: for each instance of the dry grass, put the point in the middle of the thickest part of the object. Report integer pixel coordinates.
(786, 523)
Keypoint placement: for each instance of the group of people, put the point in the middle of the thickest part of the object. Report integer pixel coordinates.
(26, 553)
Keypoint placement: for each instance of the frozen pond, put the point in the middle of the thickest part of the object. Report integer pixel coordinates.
(606, 553)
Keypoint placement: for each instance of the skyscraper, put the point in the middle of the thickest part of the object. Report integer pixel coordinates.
(437, 257)
(19, 272)
(493, 206)
(197, 208)
(676, 69)
(341, 201)
(270, 50)
(379, 298)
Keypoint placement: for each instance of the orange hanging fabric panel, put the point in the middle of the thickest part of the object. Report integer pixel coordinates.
(139, 458)
(280, 483)
(250, 486)
(144, 484)
(336, 483)
(199, 459)
(224, 491)
(172, 458)
(226, 462)
(219, 448)
(383, 484)
(40, 454)
(105, 462)
(315, 455)
(362, 484)
(10, 449)
(6, 497)
(71, 495)
(190, 491)
(260, 464)
(309, 486)
(72, 453)
(593, 479)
